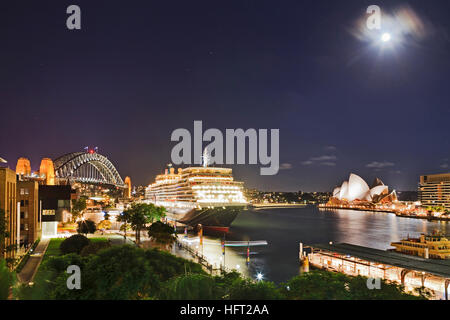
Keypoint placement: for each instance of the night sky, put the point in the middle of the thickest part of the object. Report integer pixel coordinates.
(137, 70)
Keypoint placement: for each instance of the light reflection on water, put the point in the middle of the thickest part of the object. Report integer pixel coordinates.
(284, 229)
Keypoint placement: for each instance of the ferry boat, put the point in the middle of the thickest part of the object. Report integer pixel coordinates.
(207, 196)
(432, 246)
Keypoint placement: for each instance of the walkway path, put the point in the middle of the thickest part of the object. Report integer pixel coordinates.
(29, 270)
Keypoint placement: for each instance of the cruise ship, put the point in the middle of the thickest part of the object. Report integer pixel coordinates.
(198, 195)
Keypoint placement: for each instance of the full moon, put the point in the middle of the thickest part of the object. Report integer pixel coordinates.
(386, 37)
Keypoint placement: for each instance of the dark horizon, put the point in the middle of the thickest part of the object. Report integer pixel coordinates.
(136, 72)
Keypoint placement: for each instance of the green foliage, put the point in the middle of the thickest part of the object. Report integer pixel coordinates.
(229, 286)
(94, 247)
(6, 280)
(78, 206)
(141, 214)
(3, 235)
(322, 285)
(317, 285)
(162, 233)
(424, 293)
(121, 272)
(74, 244)
(86, 226)
(245, 289)
(190, 287)
(166, 265)
(127, 272)
(51, 281)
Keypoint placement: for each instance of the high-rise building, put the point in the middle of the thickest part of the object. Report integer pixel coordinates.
(8, 203)
(28, 196)
(434, 190)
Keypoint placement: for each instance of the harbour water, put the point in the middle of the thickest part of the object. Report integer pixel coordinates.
(285, 228)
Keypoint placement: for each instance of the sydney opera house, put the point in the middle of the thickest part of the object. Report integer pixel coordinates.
(356, 191)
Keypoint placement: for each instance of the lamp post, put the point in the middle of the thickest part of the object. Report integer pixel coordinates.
(223, 250)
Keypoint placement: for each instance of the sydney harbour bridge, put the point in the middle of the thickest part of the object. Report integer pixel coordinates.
(87, 167)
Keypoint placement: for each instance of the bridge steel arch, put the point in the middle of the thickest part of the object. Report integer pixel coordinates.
(87, 168)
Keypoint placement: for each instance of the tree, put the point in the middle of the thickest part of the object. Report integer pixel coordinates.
(78, 206)
(86, 226)
(317, 285)
(3, 232)
(104, 224)
(74, 244)
(94, 247)
(162, 233)
(139, 215)
(190, 287)
(121, 273)
(158, 213)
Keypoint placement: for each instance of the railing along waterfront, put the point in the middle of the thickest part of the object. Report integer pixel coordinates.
(202, 259)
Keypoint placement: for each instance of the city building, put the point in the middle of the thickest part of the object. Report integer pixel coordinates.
(433, 246)
(8, 203)
(30, 222)
(55, 205)
(434, 190)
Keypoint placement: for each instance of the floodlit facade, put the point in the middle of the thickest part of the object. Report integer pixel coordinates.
(356, 189)
(434, 190)
(8, 203)
(30, 224)
(23, 167)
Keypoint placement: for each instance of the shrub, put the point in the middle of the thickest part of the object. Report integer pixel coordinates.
(74, 244)
(94, 247)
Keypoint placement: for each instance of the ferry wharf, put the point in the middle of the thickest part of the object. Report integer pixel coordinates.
(410, 271)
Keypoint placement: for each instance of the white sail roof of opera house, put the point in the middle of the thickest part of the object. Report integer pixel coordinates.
(378, 190)
(358, 189)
